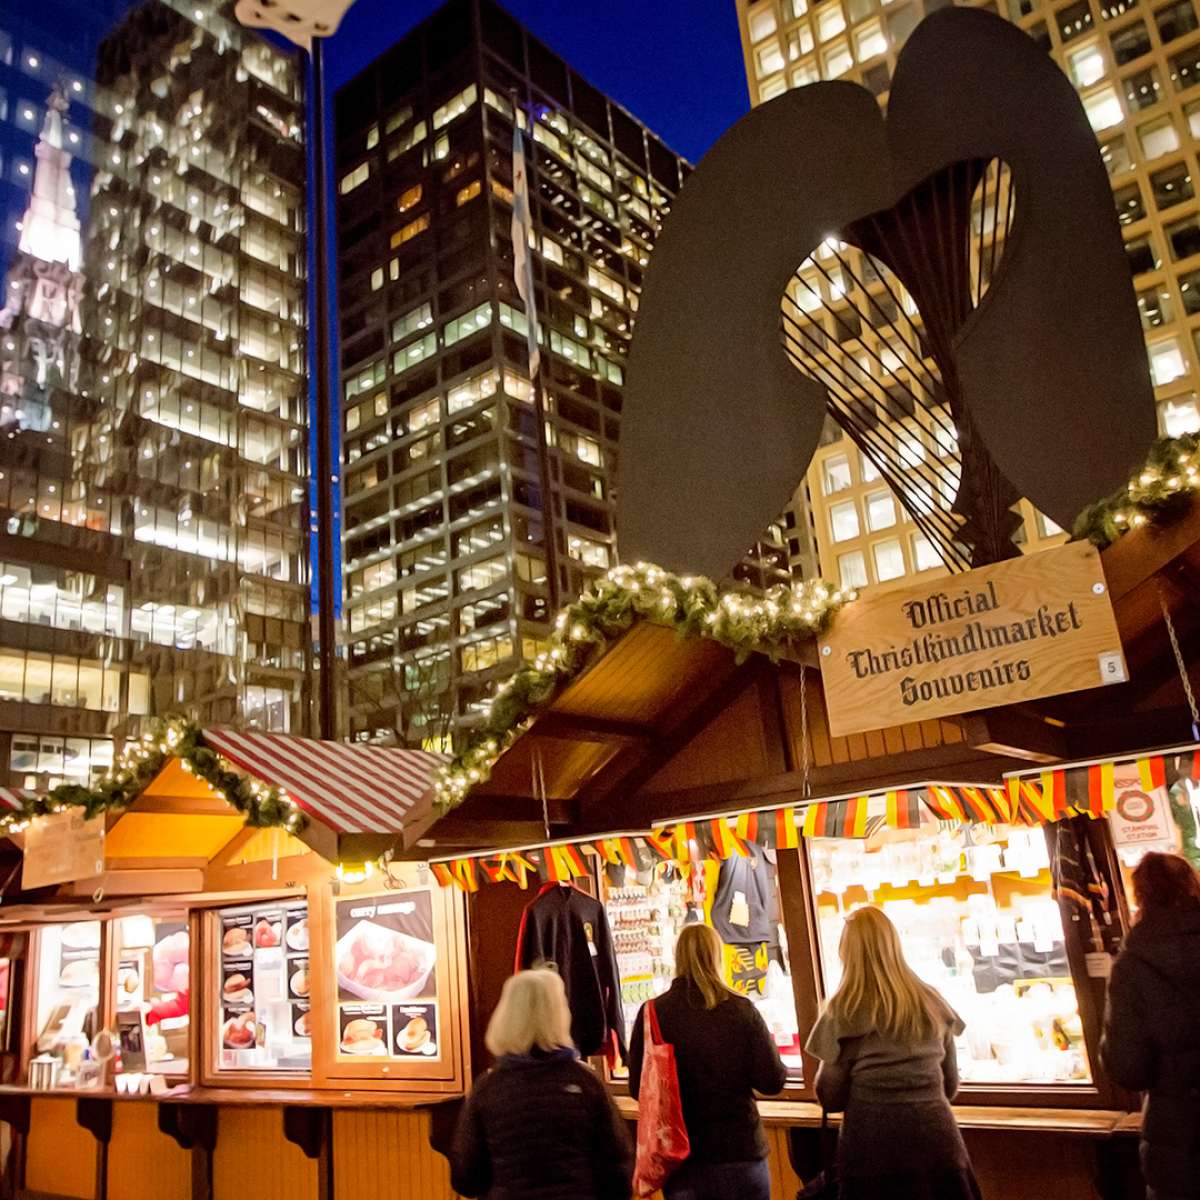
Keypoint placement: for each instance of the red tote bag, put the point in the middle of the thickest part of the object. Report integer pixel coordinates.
(662, 1138)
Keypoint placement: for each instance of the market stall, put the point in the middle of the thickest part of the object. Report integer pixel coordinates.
(673, 756)
(232, 993)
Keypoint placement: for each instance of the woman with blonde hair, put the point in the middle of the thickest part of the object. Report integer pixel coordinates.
(724, 1053)
(539, 1125)
(886, 1045)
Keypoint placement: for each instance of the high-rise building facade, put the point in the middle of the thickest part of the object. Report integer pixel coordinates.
(1136, 65)
(466, 519)
(153, 394)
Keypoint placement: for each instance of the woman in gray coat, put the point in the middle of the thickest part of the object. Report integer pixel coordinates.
(886, 1045)
(1152, 1026)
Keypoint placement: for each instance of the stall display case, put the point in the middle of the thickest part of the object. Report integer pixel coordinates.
(740, 899)
(152, 990)
(263, 1003)
(66, 1005)
(975, 911)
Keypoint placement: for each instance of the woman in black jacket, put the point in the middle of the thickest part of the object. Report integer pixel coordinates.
(539, 1125)
(1152, 1026)
(724, 1053)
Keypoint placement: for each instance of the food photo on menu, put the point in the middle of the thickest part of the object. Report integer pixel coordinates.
(265, 987)
(387, 962)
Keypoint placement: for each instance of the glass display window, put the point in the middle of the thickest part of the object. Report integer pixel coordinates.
(263, 987)
(739, 898)
(978, 922)
(67, 995)
(152, 992)
(390, 1001)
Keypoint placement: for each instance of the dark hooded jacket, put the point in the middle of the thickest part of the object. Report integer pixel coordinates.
(541, 1127)
(1152, 1043)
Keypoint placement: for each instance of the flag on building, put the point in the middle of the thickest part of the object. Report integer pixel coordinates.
(522, 226)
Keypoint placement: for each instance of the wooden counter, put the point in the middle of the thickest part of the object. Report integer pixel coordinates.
(1088, 1122)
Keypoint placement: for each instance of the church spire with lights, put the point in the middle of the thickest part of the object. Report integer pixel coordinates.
(40, 318)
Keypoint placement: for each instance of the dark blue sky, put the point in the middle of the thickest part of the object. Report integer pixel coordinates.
(675, 64)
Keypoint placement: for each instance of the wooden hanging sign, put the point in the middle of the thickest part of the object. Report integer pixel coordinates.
(62, 848)
(1034, 626)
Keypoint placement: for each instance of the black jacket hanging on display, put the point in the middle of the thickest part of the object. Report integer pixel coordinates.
(567, 929)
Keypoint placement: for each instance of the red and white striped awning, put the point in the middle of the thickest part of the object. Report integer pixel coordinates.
(17, 799)
(349, 788)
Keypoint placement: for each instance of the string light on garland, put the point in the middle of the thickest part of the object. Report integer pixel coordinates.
(691, 605)
(1162, 490)
(263, 805)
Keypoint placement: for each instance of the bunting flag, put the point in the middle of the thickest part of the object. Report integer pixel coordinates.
(782, 828)
(1152, 773)
(561, 864)
(944, 804)
(1101, 788)
(903, 810)
(815, 816)
(837, 818)
(442, 873)
(684, 835)
(661, 842)
(465, 874)
(722, 837)
(1054, 795)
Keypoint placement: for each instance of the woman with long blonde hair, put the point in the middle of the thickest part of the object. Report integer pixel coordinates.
(724, 1053)
(886, 1045)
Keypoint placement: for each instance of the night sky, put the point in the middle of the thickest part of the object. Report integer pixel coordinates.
(676, 65)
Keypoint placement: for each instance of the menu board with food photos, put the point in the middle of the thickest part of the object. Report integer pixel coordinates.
(265, 988)
(387, 984)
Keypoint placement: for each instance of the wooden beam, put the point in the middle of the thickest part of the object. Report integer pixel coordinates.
(183, 806)
(573, 727)
(138, 883)
(1016, 733)
(1142, 553)
(454, 835)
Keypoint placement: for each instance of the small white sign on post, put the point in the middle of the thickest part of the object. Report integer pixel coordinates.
(62, 848)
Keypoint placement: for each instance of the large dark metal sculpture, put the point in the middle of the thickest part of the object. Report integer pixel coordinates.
(1029, 347)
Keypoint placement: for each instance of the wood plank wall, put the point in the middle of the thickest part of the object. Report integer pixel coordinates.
(143, 1161)
(387, 1156)
(60, 1156)
(253, 1158)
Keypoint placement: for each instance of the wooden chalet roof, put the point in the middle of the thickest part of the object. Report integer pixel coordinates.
(661, 726)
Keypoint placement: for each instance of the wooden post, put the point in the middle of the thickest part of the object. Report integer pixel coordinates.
(311, 1128)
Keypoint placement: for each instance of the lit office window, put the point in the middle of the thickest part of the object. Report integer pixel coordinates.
(1104, 109)
(837, 474)
(881, 511)
(1167, 362)
(889, 560)
(843, 521)
(852, 570)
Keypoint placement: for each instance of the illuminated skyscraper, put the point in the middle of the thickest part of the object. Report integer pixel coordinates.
(454, 555)
(153, 507)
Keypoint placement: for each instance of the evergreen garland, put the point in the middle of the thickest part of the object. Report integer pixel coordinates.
(263, 805)
(1155, 495)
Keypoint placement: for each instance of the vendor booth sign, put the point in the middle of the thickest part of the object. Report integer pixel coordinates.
(61, 848)
(1034, 626)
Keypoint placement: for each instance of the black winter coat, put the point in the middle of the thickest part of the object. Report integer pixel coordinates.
(723, 1055)
(1152, 1043)
(541, 1127)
